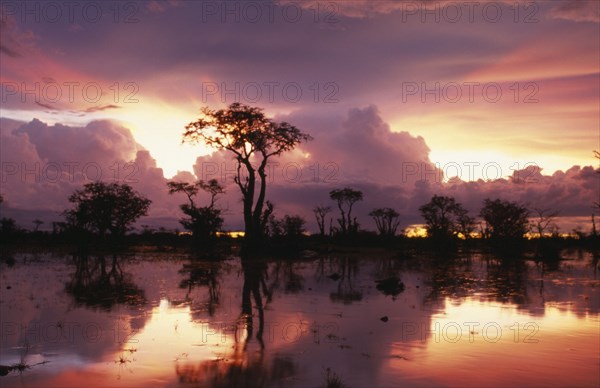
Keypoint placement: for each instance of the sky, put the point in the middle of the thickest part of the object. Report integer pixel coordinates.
(403, 99)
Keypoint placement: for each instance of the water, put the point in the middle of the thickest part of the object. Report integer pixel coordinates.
(168, 320)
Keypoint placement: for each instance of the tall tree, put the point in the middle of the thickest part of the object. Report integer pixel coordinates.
(203, 221)
(387, 220)
(106, 208)
(252, 139)
(346, 198)
(320, 214)
(504, 219)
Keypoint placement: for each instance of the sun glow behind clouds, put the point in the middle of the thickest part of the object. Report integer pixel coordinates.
(158, 128)
(155, 126)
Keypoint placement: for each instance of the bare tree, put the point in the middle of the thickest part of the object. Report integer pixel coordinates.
(320, 214)
(544, 219)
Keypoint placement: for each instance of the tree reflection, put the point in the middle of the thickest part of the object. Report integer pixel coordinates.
(243, 366)
(203, 275)
(285, 271)
(236, 372)
(450, 278)
(507, 280)
(101, 283)
(254, 281)
(346, 275)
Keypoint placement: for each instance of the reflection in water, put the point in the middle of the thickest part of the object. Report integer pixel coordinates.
(241, 370)
(451, 278)
(243, 367)
(202, 274)
(239, 322)
(507, 280)
(347, 270)
(96, 283)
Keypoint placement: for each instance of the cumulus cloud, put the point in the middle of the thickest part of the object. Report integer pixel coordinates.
(392, 169)
(42, 164)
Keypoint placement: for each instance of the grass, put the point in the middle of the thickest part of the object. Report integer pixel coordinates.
(332, 380)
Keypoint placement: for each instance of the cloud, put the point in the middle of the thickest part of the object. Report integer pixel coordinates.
(101, 108)
(13, 42)
(577, 11)
(43, 164)
(360, 9)
(392, 169)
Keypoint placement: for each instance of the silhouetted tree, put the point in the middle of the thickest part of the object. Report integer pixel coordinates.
(504, 219)
(544, 219)
(37, 222)
(442, 216)
(290, 227)
(597, 156)
(293, 226)
(250, 136)
(346, 198)
(465, 224)
(320, 214)
(386, 220)
(8, 226)
(205, 221)
(106, 208)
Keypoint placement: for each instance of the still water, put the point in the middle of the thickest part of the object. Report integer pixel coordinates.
(171, 320)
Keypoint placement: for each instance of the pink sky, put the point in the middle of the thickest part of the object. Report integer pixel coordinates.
(381, 86)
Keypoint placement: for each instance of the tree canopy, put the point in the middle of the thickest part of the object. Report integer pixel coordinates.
(386, 220)
(346, 198)
(203, 221)
(106, 208)
(504, 219)
(444, 217)
(252, 139)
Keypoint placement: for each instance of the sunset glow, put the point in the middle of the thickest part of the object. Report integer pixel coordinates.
(404, 99)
